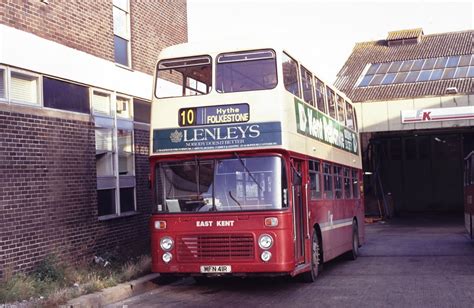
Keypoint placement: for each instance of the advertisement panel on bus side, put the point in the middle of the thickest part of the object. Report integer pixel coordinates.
(316, 125)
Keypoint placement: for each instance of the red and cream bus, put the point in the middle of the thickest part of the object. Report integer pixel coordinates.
(469, 194)
(255, 164)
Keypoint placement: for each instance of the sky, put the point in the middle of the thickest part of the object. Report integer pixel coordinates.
(321, 34)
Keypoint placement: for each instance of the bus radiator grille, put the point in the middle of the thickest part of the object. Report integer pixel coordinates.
(193, 248)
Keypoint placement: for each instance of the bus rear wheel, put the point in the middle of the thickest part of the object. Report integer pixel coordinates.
(313, 273)
(354, 252)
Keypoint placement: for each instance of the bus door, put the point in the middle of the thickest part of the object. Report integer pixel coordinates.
(299, 210)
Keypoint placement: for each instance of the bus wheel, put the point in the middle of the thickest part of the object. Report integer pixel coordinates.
(311, 275)
(354, 253)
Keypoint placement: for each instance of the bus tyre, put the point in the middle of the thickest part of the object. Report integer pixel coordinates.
(354, 252)
(313, 273)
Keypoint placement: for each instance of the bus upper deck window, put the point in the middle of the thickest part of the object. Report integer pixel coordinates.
(290, 75)
(184, 77)
(331, 102)
(246, 71)
(349, 116)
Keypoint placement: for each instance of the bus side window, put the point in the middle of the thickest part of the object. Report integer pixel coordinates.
(338, 182)
(320, 101)
(347, 184)
(290, 75)
(327, 174)
(341, 117)
(349, 116)
(307, 83)
(355, 183)
(331, 103)
(315, 180)
(355, 119)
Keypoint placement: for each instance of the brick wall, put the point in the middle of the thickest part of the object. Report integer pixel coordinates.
(149, 36)
(48, 193)
(88, 25)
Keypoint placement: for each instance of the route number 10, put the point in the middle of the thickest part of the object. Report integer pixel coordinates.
(187, 116)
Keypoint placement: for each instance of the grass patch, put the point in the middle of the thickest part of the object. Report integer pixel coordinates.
(53, 283)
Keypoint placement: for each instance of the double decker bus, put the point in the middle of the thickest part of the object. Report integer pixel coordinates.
(469, 194)
(255, 164)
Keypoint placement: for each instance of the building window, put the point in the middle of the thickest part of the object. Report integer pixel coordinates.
(121, 14)
(65, 95)
(3, 84)
(24, 87)
(420, 70)
(141, 111)
(115, 159)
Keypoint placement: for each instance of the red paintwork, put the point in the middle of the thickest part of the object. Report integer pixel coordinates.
(283, 261)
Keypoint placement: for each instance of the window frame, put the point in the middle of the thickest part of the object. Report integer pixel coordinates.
(298, 81)
(317, 82)
(111, 121)
(39, 87)
(304, 72)
(243, 52)
(183, 81)
(129, 33)
(317, 172)
(5, 84)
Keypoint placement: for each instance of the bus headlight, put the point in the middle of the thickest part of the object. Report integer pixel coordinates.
(265, 241)
(167, 256)
(266, 256)
(166, 243)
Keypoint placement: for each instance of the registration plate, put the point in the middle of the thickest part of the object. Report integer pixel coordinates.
(216, 269)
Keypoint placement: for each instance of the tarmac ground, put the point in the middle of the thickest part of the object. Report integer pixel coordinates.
(406, 262)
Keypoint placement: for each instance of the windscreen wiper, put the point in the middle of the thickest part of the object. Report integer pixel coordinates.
(248, 171)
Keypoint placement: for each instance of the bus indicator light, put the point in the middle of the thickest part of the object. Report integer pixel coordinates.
(271, 222)
(160, 225)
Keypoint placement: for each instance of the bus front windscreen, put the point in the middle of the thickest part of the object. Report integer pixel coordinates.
(234, 184)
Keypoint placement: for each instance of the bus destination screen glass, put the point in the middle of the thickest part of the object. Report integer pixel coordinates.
(246, 71)
(234, 184)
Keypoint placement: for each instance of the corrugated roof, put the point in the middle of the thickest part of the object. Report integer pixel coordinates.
(404, 34)
(429, 46)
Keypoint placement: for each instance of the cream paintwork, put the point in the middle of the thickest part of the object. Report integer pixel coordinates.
(386, 115)
(276, 105)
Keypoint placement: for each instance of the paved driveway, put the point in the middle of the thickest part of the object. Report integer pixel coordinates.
(407, 262)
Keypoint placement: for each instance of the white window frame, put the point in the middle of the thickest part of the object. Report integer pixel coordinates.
(8, 82)
(129, 38)
(114, 122)
(5, 85)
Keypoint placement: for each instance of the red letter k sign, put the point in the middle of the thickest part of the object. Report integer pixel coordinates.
(426, 116)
